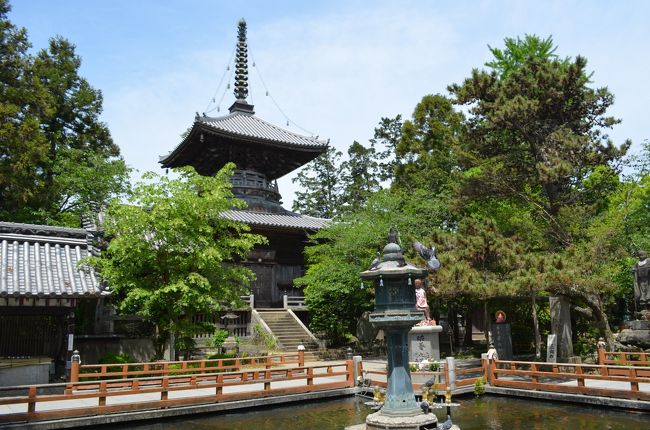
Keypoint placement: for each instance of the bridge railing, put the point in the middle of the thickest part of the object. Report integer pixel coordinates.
(587, 379)
(99, 372)
(123, 395)
(440, 379)
(623, 358)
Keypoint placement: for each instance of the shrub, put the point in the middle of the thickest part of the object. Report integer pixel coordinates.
(219, 337)
(479, 387)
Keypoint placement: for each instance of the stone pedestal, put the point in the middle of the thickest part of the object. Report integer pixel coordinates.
(424, 343)
(379, 421)
(502, 335)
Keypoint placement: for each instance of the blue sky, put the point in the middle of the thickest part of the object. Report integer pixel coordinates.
(334, 67)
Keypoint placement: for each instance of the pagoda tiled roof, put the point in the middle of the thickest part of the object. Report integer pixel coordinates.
(289, 220)
(41, 261)
(249, 126)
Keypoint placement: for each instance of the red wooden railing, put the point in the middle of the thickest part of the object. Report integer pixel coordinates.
(123, 395)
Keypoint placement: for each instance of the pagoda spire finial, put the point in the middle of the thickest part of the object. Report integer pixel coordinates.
(241, 67)
(241, 72)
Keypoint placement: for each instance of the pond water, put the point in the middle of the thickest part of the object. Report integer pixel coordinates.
(486, 413)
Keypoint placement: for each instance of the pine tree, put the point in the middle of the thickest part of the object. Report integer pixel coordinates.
(320, 185)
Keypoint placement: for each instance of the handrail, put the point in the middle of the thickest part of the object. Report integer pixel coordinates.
(561, 377)
(464, 377)
(186, 367)
(622, 358)
(207, 388)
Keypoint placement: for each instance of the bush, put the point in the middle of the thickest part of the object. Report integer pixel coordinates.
(479, 387)
(261, 337)
(219, 337)
(111, 358)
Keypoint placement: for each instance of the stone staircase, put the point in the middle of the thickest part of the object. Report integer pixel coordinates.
(289, 332)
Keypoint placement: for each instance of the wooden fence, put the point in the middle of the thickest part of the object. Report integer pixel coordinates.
(123, 395)
(607, 381)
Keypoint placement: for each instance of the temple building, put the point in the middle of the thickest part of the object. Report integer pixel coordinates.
(262, 153)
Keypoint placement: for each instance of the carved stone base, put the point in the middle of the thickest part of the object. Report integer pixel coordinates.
(379, 421)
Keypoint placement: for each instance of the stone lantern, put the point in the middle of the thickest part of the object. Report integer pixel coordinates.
(395, 314)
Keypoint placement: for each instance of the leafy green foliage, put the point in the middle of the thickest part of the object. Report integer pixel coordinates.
(170, 250)
(219, 337)
(518, 51)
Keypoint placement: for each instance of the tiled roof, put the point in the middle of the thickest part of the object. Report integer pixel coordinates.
(250, 126)
(286, 220)
(41, 261)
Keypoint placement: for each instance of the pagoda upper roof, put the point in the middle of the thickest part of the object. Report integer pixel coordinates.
(248, 141)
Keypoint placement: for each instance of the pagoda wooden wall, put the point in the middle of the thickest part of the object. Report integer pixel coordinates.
(275, 274)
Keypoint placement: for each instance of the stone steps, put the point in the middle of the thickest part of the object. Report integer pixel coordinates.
(288, 331)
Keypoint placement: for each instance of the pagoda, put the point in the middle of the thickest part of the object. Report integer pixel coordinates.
(262, 153)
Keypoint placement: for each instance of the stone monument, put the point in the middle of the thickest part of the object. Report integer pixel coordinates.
(638, 335)
(395, 314)
(502, 334)
(561, 326)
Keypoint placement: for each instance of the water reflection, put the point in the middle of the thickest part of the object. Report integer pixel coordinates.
(487, 413)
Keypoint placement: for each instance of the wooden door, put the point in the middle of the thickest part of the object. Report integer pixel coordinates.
(262, 287)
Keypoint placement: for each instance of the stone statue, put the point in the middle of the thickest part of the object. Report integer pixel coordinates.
(642, 280)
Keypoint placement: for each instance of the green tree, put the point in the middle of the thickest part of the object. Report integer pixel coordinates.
(321, 184)
(536, 139)
(385, 139)
(23, 101)
(426, 150)
(359, 175)
(58, 159)
(170, 252)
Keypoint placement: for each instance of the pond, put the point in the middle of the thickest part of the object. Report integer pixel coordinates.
(486, 413)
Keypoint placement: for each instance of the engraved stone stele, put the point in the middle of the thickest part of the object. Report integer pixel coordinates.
(424, 343)
(395, 314)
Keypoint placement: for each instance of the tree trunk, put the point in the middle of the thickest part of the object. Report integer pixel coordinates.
(538, 337)
(467, 341)
(486, 323)
(595, 303)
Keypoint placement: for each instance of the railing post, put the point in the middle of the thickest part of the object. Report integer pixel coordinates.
(579, 377)
(267, 380)
(252, 301)
(310, 376)
(31, 402)
(74, 366)
(634, 383)
(358, 368)
(219, 381)
(285, 301)
(349, 372)
(601, 351)
(301, 357)
(164, 394)
(102, 393)
(268, 362)
(451, 373)
(493, 368)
